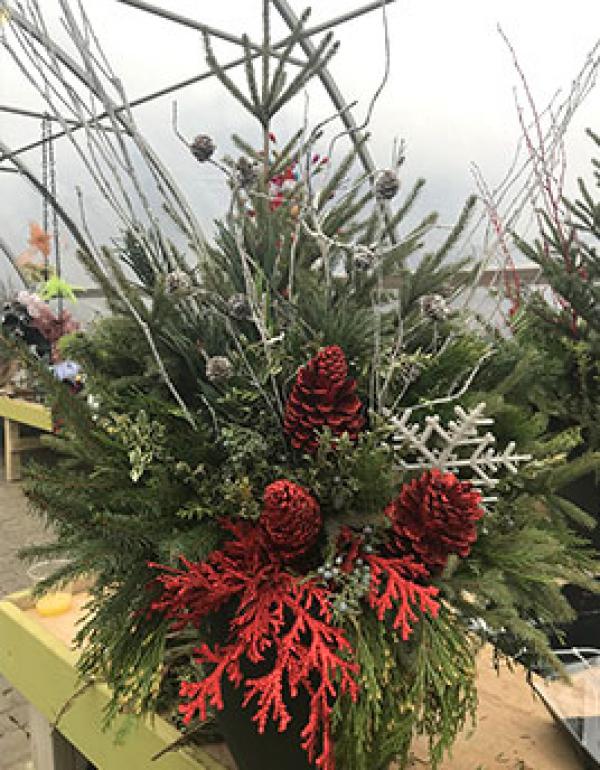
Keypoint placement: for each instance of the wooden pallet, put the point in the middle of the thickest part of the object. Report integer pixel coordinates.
(17, 413)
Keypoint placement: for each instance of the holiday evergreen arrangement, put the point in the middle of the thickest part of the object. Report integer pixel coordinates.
(283, 478)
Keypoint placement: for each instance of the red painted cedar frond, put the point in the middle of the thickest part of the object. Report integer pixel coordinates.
(277, 613)
(393, 588)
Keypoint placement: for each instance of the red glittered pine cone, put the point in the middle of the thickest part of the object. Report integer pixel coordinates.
(291, 519)
(435, 516)
(323, 396)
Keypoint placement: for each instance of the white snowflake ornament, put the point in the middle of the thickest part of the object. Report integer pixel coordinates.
(458, 447)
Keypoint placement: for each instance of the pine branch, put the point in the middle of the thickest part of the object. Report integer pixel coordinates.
(279, 74)
(226, 80)
(250, 76)
(315, 63)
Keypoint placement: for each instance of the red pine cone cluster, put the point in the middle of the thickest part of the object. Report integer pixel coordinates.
(435, 516)
(291, 519)
(323, 396)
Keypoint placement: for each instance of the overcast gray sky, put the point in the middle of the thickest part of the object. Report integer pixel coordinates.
(449, 95)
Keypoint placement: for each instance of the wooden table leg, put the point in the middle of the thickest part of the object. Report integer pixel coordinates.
(50, 750)
(12, 459)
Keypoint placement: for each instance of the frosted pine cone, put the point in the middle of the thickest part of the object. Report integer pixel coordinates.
(323, 397)
(238, 307)
(177, 280)
(202, 148)
(387, 185)
(435, 307)
(218, 369)
(362, 262)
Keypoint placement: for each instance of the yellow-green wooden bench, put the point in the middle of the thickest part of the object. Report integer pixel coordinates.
(16, 413)
(514, 728)
(40, 664)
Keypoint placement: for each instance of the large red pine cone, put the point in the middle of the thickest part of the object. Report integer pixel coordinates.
(291, 519)
(435, 516)
(323, 396)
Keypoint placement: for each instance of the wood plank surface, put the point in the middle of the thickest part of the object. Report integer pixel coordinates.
(26, 412)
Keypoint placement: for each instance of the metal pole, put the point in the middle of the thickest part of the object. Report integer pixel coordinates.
(31, 114)
(10, 258)
(185, 21)
(40, 115)
(205, 75)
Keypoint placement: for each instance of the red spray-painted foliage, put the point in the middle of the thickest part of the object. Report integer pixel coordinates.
(394, 588)
(276, 611)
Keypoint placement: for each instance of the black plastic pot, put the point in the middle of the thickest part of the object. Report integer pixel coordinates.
(584, 631)
(270, 750)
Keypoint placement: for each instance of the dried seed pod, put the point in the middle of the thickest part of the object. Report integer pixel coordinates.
(202, 148)
(218, 368)
(387, 185)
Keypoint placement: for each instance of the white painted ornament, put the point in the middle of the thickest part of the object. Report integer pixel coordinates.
(458, 447)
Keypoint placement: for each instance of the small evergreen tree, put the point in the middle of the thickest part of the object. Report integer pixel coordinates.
(568, 326)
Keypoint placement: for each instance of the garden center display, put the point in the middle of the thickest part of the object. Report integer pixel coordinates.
(302, 476)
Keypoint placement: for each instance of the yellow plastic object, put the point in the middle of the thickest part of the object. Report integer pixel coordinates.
(54, 604)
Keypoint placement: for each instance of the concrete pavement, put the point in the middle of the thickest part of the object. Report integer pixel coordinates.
(17, 528)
